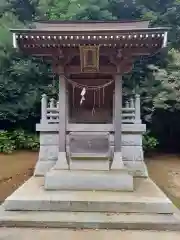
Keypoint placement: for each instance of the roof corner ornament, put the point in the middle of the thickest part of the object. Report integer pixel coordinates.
(165, 40)
(14, 40)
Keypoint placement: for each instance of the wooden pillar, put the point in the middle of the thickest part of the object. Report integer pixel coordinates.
(62, 163)
(62, 114)
(67, 107)
(113, 107)
(117, 162)
(118, 113)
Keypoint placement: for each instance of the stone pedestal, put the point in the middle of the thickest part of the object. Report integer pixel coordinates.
(113, 180)
(117, 163)
(61, 163)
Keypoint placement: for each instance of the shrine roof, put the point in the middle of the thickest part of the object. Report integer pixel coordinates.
(47, 37)
(89, 26)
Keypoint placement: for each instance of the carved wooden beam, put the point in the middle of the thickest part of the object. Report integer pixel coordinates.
(102, 69)
(58, 65)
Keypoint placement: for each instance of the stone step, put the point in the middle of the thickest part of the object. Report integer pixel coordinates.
(89, 220)
(114, 180)
(89, 164)
(88, 234)
(89, 156)
(147, 198)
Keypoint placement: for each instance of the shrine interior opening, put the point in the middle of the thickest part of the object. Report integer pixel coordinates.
(97, 105)
(90, 94)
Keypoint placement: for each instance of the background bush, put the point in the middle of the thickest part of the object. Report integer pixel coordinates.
(150, 143)
(18, 140)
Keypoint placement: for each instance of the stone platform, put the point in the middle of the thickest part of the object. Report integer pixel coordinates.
(145, 208)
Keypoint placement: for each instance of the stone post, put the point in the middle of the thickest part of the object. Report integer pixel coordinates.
(127, 104)
(52, 103)
(44, 108)
(131, 103)
(117, 160)
(57, 105)
(137, 109)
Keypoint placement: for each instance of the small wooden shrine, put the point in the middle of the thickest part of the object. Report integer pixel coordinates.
(90, 171)
(90, 136)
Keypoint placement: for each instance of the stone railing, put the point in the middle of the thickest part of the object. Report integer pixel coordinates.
(49, 110)
(131, 112)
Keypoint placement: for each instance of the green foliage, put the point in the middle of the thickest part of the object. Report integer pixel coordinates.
(7, 144)
(150, 143)
(94, 10)
(75, 9)
(169, 78)
(18, 140)
(32, 142)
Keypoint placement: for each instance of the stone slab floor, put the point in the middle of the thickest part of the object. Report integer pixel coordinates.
(44, 234)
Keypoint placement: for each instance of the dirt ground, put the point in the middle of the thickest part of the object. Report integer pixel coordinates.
(15, 169)
(165, 171)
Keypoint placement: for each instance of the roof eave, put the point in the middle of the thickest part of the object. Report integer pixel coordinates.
(139, 30)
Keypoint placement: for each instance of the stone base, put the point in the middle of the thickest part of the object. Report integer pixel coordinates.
(146, 208)
(132, 151)
(137, 168)
(61, 162)
(117, 162)
(113, 180)
(42, 167)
